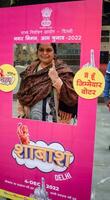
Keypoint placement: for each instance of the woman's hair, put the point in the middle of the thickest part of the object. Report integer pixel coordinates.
(52, 44)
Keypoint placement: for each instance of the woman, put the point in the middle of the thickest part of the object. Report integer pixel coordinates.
(46, 91)
(106, 92)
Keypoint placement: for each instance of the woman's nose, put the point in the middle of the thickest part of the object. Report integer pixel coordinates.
(44, 52)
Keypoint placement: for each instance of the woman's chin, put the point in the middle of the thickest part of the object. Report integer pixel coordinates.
(46, 62)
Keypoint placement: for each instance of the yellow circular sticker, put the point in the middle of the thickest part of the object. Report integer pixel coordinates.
(8, 78)
(89, 82)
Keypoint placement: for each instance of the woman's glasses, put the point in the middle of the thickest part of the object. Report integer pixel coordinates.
(48, 50)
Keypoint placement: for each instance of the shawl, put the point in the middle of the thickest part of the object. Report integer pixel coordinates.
(36, 86)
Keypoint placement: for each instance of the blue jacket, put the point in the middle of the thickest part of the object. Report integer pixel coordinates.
(106, 93)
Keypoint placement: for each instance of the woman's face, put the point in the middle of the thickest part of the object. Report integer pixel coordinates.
(45, 53)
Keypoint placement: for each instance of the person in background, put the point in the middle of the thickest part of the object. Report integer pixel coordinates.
(46, 91)
(106, 93)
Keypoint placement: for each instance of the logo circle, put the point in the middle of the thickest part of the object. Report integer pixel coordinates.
(89, 82)
(8, 78)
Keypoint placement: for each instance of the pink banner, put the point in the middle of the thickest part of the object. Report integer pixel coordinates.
(36, 156)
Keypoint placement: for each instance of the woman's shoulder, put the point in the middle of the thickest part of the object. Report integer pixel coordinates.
(62, 66)
(30, 68)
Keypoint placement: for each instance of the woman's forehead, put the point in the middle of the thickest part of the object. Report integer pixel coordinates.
(46, 45)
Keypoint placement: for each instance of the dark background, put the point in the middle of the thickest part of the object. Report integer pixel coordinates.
(6, 3)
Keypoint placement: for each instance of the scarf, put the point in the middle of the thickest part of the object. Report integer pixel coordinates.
(36, 85)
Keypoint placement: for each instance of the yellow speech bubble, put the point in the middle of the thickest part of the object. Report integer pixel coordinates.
(89, 82)
(8, 78)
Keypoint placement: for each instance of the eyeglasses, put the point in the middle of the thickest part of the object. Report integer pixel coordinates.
(48, 50)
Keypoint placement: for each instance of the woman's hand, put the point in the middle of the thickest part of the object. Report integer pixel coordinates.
(53, 74)
(23, 111)
(65, 117)
(56, 81)
(26, 111)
